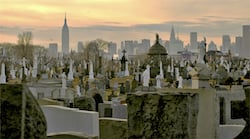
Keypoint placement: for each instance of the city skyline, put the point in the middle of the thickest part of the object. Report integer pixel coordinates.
(122, 20)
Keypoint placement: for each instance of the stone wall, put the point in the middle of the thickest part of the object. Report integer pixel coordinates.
(21, 115)
(113, 128)
(172, 113)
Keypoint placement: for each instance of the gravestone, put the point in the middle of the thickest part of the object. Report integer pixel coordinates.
(146, 76)
(3, 76)
(98, 99)
(127, 85)
(85, 103)
(244, 112)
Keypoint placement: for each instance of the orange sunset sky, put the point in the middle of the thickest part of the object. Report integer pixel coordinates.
(117, 20)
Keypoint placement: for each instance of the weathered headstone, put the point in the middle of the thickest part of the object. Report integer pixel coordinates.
(3, 76)
(146, 76)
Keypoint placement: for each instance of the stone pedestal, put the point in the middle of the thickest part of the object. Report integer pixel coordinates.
(172, 113)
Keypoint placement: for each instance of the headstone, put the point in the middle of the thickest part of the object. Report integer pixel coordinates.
(35, 64)
(64, 83)
(126, 73)
(13, 72)
(70, 74)
(146, 76)
(78, 91)
(127, 85)
(158, 81)
(122, 89)
(177, 73)
(180, 81)
(119, 110)
(3, 76)
(85, 103)
(98, 99)
(91, 73)
(161, 70)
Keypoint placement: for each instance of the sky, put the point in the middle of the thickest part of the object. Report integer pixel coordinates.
(118, 20)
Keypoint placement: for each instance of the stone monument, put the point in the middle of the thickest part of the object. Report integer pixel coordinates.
(34, 71)
(70, 74)
(146, 76)
(64, 84)
(3, 76)
(91, 73)
(202, 53)
(126, 73)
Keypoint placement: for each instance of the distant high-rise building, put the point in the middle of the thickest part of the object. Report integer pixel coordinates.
(112, 48)
(80, 46)
(245, 47)
(226, 44)
(238, 44)
(53, 50)
(65, 37)
(175, 45)
(193, 42)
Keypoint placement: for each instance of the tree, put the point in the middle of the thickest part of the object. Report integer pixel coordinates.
(24, 46)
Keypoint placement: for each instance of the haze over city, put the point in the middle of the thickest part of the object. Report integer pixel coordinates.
(116, 21)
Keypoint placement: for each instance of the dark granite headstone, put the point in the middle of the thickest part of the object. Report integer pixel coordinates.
(245, 114)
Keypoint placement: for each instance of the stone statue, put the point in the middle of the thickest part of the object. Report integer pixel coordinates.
(146, 76)
(202, 54)
(180, 80)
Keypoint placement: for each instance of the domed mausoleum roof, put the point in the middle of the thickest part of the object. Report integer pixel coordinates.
(157, 48)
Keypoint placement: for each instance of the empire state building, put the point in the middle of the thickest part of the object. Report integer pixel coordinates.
(65, 37)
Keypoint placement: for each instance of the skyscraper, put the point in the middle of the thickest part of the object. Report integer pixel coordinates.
(245, 47)
(226, 44)
(193, 42)
(65, 37)
(238, 44)
(52, 50)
